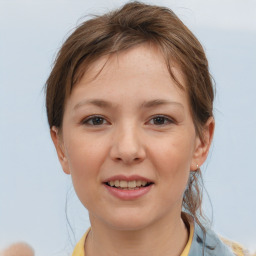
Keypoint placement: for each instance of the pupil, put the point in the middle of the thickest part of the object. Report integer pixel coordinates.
(159, 120)
(97, 120)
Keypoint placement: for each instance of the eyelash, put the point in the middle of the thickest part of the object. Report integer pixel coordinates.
(167, 120)
(92, 119)
(103, 121)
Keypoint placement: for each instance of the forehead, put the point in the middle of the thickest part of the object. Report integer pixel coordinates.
(142, 68)
(146, 55)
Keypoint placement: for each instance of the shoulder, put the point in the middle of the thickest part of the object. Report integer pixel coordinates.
(237, 248)
(207, 243)
(79, 248)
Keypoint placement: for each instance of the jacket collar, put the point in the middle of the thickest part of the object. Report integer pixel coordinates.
(207, 243)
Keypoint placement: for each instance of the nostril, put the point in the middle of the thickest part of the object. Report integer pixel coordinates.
(128, 160)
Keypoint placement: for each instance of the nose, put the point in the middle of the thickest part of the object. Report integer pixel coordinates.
(127, 145)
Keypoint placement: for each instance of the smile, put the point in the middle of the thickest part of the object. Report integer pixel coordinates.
(128, 185)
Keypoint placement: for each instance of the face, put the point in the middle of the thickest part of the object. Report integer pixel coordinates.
(128, 140)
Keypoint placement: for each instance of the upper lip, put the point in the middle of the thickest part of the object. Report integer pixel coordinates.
(127, 178)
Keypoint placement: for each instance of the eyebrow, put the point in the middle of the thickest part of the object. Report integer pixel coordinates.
(106, 104)
(159, 102)
(96, 102)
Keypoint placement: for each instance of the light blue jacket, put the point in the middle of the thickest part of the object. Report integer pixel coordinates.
(211, 245)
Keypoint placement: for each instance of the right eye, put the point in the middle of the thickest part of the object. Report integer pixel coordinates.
(94, 121)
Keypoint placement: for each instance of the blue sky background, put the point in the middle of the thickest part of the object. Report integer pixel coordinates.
(33, 188)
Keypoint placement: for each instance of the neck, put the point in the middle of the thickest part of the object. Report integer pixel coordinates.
(166, 237)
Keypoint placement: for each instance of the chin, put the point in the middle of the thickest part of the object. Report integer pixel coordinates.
(130, 220)
(129, 225)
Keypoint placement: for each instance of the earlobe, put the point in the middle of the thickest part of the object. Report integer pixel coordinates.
(57, 141)
(202, 145)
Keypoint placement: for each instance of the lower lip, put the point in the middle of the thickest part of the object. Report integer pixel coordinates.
(128, 194)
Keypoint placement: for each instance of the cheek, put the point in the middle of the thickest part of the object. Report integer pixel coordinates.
(84, 154)
(172, 158)
(85, 157)
(174, 154)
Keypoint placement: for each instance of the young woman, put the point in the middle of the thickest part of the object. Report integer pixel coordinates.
(129, 104)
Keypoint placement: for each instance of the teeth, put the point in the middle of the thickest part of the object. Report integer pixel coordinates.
(123, 184)
(138, 183)
(112, 183)
(134, 184)
(143, 183)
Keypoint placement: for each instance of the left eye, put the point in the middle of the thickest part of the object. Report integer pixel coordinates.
(160, 120)
(94, 120)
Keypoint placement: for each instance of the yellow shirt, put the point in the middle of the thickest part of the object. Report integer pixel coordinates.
(79, 249)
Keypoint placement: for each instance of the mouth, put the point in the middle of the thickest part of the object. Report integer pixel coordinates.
(128, 185)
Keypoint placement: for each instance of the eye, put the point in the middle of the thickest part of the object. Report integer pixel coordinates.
(94, 121)
(160, 120)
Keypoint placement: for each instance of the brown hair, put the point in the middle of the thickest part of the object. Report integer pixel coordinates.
(133, 24)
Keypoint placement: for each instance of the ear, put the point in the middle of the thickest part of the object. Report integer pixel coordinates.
(202, 145)
(58, 143)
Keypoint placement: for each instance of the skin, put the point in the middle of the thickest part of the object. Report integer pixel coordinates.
(130, 92)
(18, 249)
